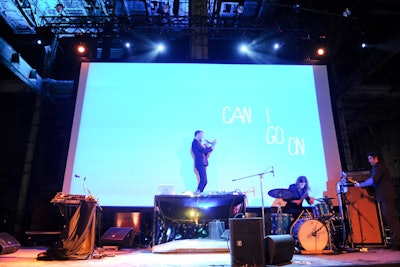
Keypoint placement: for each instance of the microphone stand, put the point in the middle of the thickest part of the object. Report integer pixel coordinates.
(261, 191)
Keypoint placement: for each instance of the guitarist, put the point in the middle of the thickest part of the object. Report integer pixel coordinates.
(300, 191)
(385, 194)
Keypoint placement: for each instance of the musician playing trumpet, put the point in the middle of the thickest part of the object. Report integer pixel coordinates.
(300, 191)
(200, 153)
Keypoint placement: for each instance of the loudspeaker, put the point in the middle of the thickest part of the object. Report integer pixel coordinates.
(8, 244)
(279, 249)
(118, 236)
(247, 242)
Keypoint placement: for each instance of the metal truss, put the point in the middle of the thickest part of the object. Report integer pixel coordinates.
(173, 26)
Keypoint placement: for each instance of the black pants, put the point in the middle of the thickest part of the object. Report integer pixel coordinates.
(201, 169)
(389, 213)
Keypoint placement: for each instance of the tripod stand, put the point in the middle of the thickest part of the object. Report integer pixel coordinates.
(341, 192)
(261, 176)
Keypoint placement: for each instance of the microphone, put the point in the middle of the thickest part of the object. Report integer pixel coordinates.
(273, 171)
(208, 142)
(77, 176)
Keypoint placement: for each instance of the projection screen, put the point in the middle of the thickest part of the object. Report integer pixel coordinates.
(134, 124)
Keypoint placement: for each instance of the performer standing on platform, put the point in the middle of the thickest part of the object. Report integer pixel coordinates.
(201, 153)
(300, 191)
(385, 194)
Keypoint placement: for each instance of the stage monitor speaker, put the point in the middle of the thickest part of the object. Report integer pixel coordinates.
(279, 249)
(8, 244)
(247, 242)
(118, 236)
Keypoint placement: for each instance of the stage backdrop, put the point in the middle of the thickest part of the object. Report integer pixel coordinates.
(134, 124)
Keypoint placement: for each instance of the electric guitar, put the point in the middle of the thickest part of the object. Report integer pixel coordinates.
(370, 189)
(351, 180)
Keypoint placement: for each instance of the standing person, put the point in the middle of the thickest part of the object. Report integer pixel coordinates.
(385, 194)
(300, 191)
(201, 153)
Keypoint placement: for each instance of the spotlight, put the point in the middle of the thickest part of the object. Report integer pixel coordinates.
(244, 48)
(108, 4)
(81, 49)
(321, 51)
(127, 45)
(297, 8)
(160, 48)
(59, 8)
(346, 13)
(276, 46)
(39, 42)
(240, 9)
(363, 45)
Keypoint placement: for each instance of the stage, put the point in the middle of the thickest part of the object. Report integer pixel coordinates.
(191, 253)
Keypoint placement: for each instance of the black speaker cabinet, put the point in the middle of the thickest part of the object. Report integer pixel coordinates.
(118, 236)
(8, 244)
(247, 242)
(279, 249)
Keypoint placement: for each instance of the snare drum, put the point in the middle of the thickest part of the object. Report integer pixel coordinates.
(280, 223)
(322, 210)
(312, 234)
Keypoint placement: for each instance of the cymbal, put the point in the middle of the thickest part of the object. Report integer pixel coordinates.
(280, 193)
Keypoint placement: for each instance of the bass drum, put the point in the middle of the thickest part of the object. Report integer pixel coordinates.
(312, 234)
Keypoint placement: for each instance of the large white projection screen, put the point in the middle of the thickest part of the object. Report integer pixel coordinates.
(134, 124)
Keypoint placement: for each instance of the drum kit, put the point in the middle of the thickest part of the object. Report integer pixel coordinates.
(312, 231)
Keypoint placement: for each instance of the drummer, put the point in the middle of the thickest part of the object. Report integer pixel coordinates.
(300, 191)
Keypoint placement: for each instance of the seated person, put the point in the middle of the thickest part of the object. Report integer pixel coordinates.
(300, 191)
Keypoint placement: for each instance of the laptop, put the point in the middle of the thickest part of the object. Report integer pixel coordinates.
(166, 189)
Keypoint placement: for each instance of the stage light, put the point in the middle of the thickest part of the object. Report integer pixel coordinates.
(240, 9)
(346, 13)
(81, 49)
(276, 46)
(39, 42)
(363, 45)
(127, 45)
(109, 4)
(160, 48)
(297, 8)
(59, 8)
(321, 51)
(243, 48)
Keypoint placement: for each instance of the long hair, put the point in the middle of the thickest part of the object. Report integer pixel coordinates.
(302, 179)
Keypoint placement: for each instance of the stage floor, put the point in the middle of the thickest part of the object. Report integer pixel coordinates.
(145, 257)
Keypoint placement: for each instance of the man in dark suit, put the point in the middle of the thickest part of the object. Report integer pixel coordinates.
(385, 194)
(201, 153)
